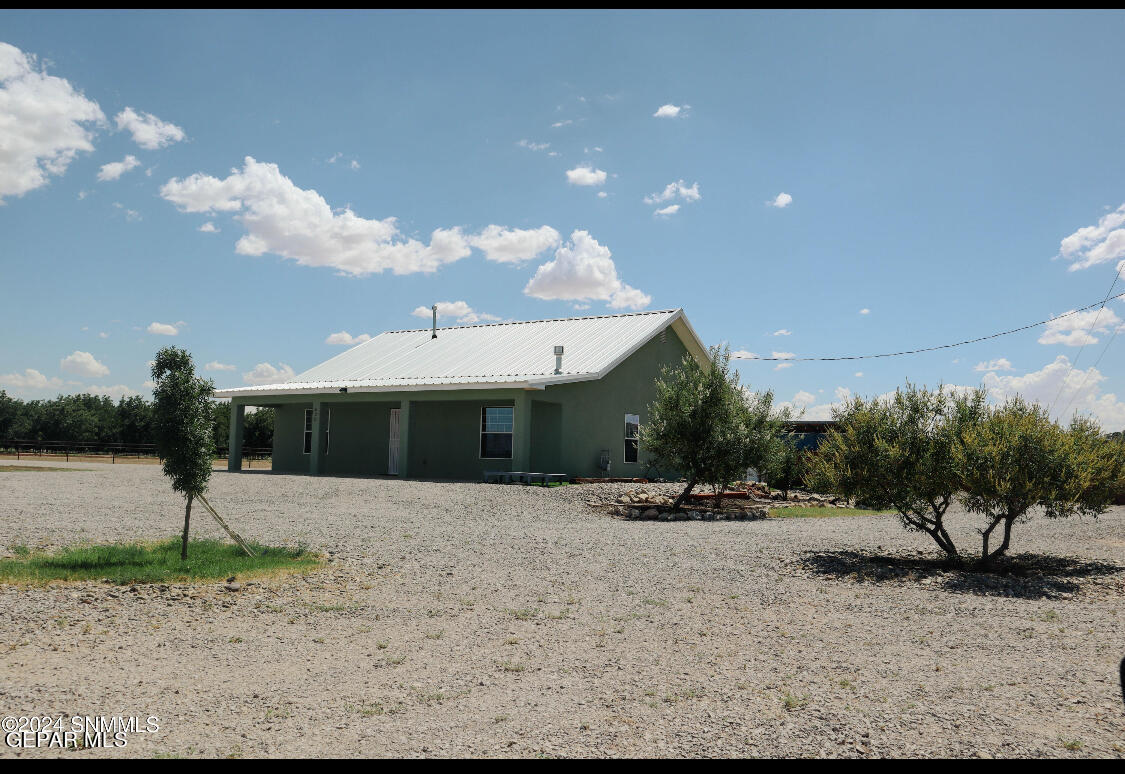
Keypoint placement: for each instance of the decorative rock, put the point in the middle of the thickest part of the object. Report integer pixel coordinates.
(233, 587)
(651, 513)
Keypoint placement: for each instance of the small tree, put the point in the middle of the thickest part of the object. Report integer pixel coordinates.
(182, 426)
(704, 425)
(899, 453)
(786, 466)
(1017, 459)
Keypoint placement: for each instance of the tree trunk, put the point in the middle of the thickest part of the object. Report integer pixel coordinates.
(683, 495)
(986, 557)
(187, 522)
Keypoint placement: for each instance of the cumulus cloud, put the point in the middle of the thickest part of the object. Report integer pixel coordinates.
(164, 329)
(515, 245)
(665, 212)
(780, 201)
(209, 228)
(345, 339)
(30, 379)
(148, 131)
(783, 355)
(782, 366)
(1077, 329)
(999, 364)
(83, 364)
(535, 146)
(41, 123)
(585, 175)
(859, 374)
(583, 270)
(458, 310)
(1081, 392)
(215, 365)
(116, 169)
(865, 311)
(296, 223)
(783, 332)
(743, 354)
(677, 189)
(265, 373)
(116, 391)
(1092, 245)
(671, 111)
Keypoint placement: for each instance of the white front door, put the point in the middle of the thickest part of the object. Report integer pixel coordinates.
(392, 449)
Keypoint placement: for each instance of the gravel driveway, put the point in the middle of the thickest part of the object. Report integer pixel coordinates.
(482, 620)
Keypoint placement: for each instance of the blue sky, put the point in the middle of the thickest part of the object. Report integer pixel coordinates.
(937, 169)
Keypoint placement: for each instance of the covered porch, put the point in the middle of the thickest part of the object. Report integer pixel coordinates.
(440, 433)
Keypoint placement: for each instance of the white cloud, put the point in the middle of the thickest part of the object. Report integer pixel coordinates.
(583, 270)
(585, 175)
(514, 245)
(296, 223)
(859, 374)
(865, 311)
(671, 111)
(535, 146)
(458, 310)
(345, 339)
(1081, 393)
(131, 215)
(783, 355)
(557, 124)
(782, 366)
(41, 119)
(30, 379)
(743, 354)
(781, 200)
(999, 364)
(353, 164)
(783, 332)
(1076, 329)
(116, 391)
(264, 373)
(116, 169)
(209, 228)
(672, 190)
(215, 365)
(665, 212)
(148, 131)
(602, 194)
(164, 329)
(103, 335)
(82, 364)
(1092, 245)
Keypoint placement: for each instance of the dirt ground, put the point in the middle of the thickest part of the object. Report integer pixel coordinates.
(462, 619)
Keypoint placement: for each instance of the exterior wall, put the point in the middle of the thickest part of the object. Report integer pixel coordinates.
(593, 413)
(570, 424)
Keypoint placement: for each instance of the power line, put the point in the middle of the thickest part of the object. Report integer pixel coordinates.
(941, 346)
(1089, 334)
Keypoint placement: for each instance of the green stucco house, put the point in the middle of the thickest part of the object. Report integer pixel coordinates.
(545, 396)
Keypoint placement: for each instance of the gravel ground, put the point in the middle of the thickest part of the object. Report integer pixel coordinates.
(481, 620)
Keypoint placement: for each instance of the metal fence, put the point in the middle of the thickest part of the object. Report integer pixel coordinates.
(114, 451)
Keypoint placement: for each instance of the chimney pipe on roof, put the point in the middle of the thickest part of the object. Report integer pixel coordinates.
(558, 358)
(434, 336)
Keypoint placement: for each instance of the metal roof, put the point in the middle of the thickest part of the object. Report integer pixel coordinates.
(513, 354)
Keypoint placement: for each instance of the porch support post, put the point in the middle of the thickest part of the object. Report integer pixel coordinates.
(521, 433)
(317, 439)
(404, 438)
(237, 421)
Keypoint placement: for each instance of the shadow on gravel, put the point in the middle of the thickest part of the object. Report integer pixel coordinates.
(1027, 576)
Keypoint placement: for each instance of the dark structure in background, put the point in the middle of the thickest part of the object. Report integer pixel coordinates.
(810, 432)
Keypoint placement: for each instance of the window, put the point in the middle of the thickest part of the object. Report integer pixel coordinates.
(632, 425)
(496, 432)
(308, 431)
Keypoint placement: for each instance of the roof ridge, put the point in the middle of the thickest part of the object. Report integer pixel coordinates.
(532, 322)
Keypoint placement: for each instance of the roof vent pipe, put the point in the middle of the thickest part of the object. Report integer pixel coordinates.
(558, 358)
(434, 336)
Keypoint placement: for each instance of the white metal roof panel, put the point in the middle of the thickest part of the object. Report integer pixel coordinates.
(498, 354)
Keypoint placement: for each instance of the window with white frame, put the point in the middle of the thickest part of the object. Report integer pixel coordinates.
(308, 431)
(632, 434)
(496, 423)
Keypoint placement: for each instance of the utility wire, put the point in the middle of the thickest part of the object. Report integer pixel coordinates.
(1085, 340)
(941, 346)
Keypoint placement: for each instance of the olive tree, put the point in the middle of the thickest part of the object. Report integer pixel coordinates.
(182, 426)
(1016, 459)
(706, 426)
(786, 464)
(899, 452)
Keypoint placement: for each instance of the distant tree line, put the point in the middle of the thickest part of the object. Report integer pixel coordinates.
(98, 419)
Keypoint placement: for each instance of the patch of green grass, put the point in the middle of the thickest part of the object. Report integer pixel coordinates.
(125, 563)
(818, 512)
